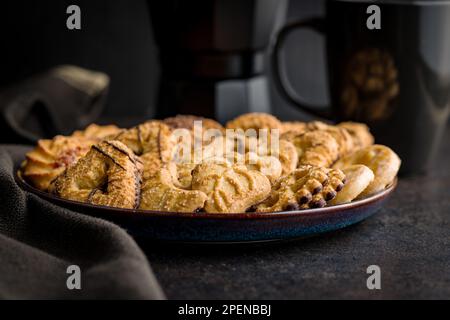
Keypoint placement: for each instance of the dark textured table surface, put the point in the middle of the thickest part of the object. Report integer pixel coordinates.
(409, 239)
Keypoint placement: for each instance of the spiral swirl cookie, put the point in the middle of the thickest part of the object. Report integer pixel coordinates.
(230, 188)
(380, 159)
(160, 194)
(109, 174)
(51, 157)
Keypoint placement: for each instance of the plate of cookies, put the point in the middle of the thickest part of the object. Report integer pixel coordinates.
(192, 179)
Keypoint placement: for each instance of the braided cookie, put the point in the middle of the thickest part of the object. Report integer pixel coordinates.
(357, 177)
(51, 157)
(160, 194)
(380, 159)
(152, 141)
(230, 188)
(109, 174)
(306, 187)
(255, 121)
(316, 148)
(359, 132)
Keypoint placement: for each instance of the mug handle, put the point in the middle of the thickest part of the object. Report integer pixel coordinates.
(281, 82)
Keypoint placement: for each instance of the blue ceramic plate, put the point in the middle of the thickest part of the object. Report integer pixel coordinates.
(231, 227)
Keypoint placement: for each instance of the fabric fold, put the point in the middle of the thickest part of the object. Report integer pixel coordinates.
(39, 241)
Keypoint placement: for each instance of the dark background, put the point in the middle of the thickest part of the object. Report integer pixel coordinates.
(117, 38)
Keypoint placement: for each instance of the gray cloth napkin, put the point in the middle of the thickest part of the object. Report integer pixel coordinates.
(58, 101)
(39, 241)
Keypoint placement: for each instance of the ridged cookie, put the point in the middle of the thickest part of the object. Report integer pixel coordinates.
(230, 188)
(109, 174)
(160, 194)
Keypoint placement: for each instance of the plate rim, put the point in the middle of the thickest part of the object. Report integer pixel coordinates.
(204, 215)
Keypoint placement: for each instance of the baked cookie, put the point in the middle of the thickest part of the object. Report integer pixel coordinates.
(255, 121)
(152, 141)
(51, 157)
(182, 172)
(96, 132)
(297, 127)
(306, 187)
(341, 135)
(288, 157)
(109, 174)
(317, 148)
(357, 177)
(284, 151)
(380, 159)
(160, 194)
(359, 132)
(187, 122)
(230, 188)
(317, 125)
(268, 165)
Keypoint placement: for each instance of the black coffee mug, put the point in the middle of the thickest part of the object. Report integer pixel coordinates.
(396, 79)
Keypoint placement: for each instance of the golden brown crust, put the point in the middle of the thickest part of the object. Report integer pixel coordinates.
(359, 132)
(380, 159)
(181, 174)
(226, 174)
(255, 121)
(230, 188)
(288, 157)
(97, 132)
(298, 127)
(187, 122)
(160, 194)
(306, 187)
(357, 177)
(51, 157)
(341, 135)
(343, 139)
(152, 141)
(268, 165)
(109, 174)
(317, 148)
